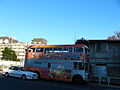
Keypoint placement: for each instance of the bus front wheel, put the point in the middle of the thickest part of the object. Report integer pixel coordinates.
(77, 79)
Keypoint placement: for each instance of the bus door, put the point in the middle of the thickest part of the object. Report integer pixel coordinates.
(79, 69)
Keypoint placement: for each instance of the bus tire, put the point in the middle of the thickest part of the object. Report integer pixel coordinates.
(77, 79)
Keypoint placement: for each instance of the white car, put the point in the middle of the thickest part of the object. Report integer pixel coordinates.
(18, 71)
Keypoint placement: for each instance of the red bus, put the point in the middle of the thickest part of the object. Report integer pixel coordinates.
(58, 62)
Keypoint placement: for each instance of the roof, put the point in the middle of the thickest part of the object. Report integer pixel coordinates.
(17, 66)
(88, 42)
(104, 41)
(79, 45)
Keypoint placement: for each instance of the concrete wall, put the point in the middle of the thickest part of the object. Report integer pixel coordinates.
(6, 64)
(110, 59)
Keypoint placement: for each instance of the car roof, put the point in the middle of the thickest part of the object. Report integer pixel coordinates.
(17, 66)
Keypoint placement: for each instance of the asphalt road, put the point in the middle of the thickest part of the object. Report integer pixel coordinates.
(18, 84)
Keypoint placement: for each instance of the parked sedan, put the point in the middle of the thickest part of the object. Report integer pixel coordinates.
(18, 71)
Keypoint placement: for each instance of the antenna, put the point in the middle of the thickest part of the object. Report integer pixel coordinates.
(75, 38)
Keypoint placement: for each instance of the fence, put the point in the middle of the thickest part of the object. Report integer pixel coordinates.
(107, 80)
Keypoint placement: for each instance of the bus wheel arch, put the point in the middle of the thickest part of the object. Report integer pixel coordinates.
(77, 79)
(38, 73)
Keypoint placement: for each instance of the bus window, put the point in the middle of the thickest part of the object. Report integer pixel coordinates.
(78, 65)
(86, 50)
(57, 50)
(31, 50)
(39, 50)
(65, 49)
(75, 65)
(48, 50)
(70, 49)
(78, 49)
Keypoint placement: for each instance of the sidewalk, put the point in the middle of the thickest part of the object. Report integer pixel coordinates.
(104, 85)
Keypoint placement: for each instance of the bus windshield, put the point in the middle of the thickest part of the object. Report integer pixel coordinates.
(78, 49)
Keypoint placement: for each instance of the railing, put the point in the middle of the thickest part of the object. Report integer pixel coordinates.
(106, 79)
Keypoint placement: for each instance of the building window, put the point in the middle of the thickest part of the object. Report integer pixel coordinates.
(101, 47)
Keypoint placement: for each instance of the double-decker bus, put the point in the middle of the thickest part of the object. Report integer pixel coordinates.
(58, 62)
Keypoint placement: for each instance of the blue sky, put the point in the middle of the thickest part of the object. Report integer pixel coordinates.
(59, 21)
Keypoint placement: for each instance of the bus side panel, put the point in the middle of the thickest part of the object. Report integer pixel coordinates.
(56, 71)
(46, 73)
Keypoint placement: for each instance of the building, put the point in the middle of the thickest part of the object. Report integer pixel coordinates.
(40, 41)
(18, 47)
(6, 40)
(105, 57)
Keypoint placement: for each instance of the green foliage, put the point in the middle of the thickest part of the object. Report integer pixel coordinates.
(17, 59)
(9, 54)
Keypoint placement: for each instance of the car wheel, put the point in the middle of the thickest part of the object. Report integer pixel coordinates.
(38, 75)
(6, 74)
(23, 77)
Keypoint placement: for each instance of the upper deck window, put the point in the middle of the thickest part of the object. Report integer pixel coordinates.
(48, 49)
(57, 50)
(65, 49)
(39, 50)
(78, 49)
(32, 50)
(70, 49)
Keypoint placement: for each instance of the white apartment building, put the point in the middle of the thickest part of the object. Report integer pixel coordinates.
(40, 41)
(18, 47)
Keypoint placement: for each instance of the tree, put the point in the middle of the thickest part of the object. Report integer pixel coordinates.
(116, 36)
(9, 54)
